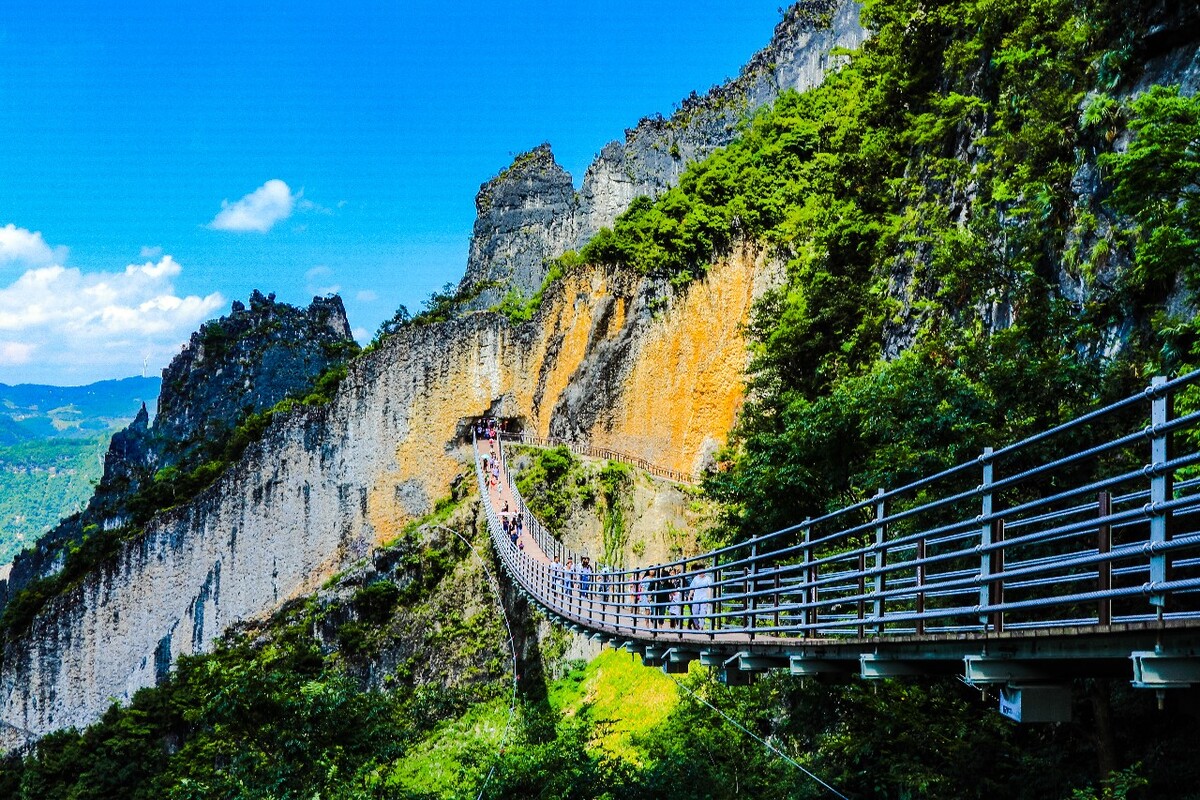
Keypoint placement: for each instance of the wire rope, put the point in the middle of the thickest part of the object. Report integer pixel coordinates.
(759, 739)
(512, 646)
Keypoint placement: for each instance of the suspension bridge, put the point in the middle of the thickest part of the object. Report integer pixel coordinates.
(1072, 553)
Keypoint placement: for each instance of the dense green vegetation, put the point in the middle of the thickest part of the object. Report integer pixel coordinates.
(553, 483)
(43, 481)
(923, 202)
(283, 717)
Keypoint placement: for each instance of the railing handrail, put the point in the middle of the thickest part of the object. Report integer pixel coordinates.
(586, 449)
(1093, 549)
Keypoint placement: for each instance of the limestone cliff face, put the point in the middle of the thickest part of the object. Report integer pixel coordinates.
(533, 194)
(529, 214)
(327, 483)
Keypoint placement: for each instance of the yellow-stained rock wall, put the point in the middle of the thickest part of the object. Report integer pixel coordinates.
(622, 361)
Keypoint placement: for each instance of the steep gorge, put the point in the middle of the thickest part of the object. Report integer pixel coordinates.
(328, 483)
(888, 309)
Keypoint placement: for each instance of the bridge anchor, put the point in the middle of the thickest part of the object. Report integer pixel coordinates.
(1153, 670)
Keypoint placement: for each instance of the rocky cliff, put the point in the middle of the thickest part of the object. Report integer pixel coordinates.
(530, 214)
(630, 364)
(237, 365)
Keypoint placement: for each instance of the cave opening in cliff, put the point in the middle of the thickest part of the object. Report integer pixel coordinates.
(483, 424)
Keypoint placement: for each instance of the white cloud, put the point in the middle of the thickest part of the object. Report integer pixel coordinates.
(257, 211)
(27, 247)
(64, 325)
(14, 353)
(366, 296)
(318, 281)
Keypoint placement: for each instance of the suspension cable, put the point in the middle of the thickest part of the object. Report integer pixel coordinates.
(758, 738)
(512, 646)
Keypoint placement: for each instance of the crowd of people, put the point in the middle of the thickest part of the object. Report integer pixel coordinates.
(659, 597)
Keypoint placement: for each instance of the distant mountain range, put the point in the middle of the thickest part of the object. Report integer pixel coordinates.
(30, 412)
(52, 444)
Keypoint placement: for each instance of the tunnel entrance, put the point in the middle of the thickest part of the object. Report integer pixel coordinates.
(486, 425)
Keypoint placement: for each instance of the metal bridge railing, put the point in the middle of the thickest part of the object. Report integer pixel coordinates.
(1093, 523)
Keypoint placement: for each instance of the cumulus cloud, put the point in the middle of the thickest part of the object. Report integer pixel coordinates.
(319, 281)
(14, 353)
(61, 324)
(258, 211)
(27, 247)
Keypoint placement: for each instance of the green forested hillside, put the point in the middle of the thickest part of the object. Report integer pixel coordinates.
(52, 444)
(932, 199)
(43, 481)
(985, 232)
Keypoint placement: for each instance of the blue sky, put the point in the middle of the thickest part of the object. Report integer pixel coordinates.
(161, 159)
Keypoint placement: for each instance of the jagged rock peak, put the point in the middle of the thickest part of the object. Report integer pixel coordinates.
(534, 193)
(248, 360)
(513, 186)
(530, 213)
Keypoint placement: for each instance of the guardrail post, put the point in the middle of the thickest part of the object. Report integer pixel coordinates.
(921, 586)
(809, 595)
(752, 587)
(985, 533)
(1160, 485)
(1104, 547)
(880, 558)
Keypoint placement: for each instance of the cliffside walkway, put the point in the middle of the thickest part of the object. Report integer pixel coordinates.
(601, 452)
(1074, 552)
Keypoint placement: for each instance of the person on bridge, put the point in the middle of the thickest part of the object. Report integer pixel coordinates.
(569, 575)
(675, 611)
(556, 578)
(642, 597)
(702, 594)
(660, 587)
(585, 585)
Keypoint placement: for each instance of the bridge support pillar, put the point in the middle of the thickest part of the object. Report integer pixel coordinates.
(809, 667)
(874, 668)
(677, 660)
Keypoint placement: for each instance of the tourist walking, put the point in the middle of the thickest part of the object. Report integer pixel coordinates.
(585, 585)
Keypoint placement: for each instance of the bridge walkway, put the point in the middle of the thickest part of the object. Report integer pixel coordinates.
(1075, 561)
